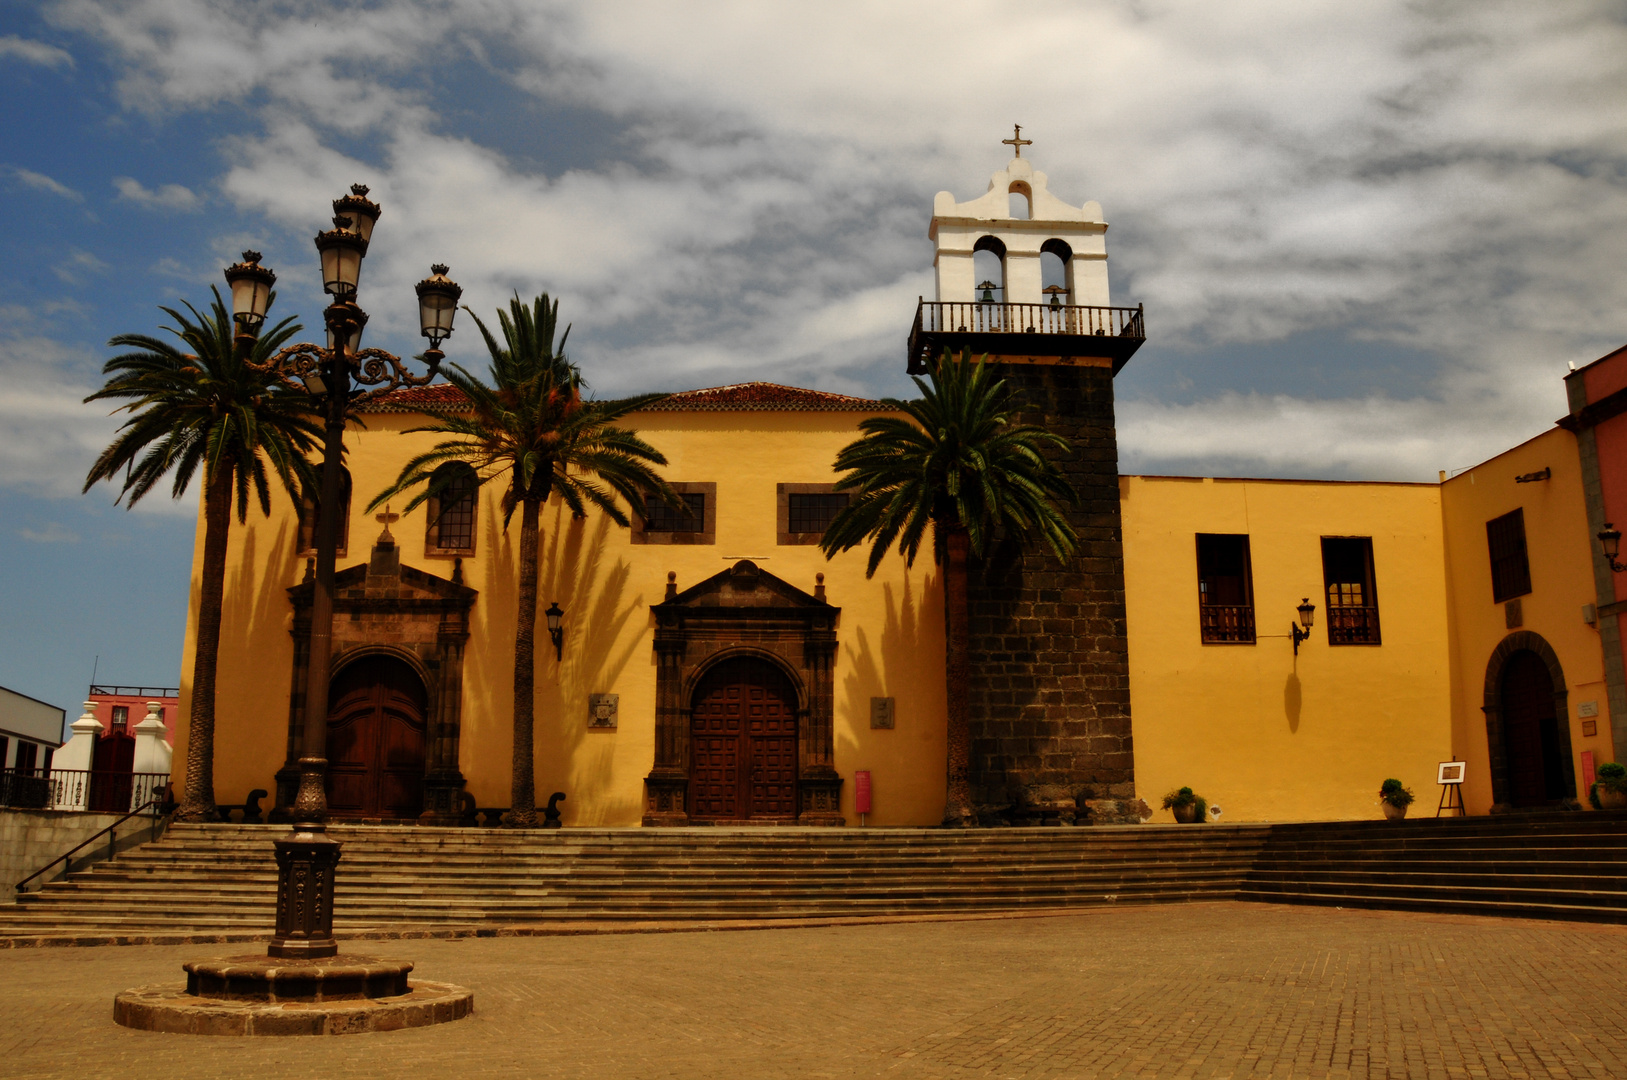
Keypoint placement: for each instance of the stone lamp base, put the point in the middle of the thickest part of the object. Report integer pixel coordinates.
(259, 995)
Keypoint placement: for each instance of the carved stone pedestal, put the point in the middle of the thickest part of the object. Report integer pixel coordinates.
(821, 799)
(666, 793)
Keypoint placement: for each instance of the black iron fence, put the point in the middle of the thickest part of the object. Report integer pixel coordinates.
(109, 792)
(942, 317)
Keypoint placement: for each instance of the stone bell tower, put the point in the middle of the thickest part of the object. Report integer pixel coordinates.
(1050, 682)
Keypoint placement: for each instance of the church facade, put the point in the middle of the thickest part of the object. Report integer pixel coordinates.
(716, 668)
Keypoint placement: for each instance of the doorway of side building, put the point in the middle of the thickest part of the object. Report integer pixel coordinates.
(112, 772)
(376, 740)
(1531, 732)
(743, 744)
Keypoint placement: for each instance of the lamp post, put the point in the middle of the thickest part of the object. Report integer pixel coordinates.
(1610, 544)
(555, 614)
(306, 858)
(1307, 618)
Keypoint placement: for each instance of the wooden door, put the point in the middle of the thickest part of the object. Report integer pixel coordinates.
(376, 741)
(112, 772)
(743, 745)
(1530, 732)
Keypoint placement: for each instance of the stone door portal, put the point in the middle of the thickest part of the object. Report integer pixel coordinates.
(743, 744)
(376, 740)
(1531, 732)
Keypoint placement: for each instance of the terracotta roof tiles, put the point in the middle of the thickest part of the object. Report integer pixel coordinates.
(738, 397)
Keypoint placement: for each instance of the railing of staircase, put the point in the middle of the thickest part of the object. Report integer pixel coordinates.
(155, 805)
(97, 791)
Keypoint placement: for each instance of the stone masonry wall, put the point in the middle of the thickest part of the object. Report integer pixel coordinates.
(31, 838)
(1050, 678)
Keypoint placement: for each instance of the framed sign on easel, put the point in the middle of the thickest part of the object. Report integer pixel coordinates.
(1450, 778)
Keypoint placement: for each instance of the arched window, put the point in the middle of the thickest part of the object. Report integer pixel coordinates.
(310, 514)
(452, 510)
(1019, 203)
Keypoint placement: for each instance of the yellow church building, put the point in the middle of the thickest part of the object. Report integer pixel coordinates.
(1468, 620)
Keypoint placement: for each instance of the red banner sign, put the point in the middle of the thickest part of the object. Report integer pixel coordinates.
(861, 791)
(1587, 769)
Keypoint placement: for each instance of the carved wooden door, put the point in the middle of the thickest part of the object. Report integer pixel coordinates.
(1531, 732)
(376, 741)
(743, 745)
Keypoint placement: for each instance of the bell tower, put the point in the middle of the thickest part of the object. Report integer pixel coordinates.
(1050, 684)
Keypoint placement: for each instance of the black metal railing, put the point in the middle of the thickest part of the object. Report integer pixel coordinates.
(955, 317)
(1352, 625)
(1227, 624)
(154, 806)
(101, 690)
(106, 792)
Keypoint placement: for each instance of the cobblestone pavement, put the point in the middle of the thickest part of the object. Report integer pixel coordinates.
(1205, 990)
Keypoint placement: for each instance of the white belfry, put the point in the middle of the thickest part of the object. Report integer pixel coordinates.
(1075, 234)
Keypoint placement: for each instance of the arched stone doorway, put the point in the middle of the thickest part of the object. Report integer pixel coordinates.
(376, 740)
(743, 744)
(1528, 724)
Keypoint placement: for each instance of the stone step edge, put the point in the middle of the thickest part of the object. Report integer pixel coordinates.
(582, 929)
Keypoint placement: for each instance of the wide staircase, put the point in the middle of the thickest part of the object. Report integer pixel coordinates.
(201, 879)
(219, 879)
(1548, 865)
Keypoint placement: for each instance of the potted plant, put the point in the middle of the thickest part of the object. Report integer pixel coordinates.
(1395, 798)
(1609, 792)
(1186, 806)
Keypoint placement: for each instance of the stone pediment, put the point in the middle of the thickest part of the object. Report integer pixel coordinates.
(383, 583)
(745, 586)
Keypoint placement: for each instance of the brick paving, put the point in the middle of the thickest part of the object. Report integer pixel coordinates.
(1202, 990)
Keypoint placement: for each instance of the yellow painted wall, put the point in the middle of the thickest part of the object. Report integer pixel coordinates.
(1264, 734)
(1559, 548)
(890, 634)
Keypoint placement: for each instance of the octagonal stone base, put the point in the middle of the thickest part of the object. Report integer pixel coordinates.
(259, 995)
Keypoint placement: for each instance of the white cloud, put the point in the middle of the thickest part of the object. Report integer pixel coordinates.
(1443, 177)
(165, 197)
(34, 52)
(53, 533)
(41, 182)
(78, 267)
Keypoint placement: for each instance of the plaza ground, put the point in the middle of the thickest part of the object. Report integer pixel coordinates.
(1201, 990)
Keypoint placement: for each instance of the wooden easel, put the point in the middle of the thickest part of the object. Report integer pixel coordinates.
(1451, 799)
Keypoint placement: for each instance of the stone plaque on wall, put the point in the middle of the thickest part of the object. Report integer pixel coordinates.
(881, 712)
(602, 710)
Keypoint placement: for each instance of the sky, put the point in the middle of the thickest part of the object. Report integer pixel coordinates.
(1369, 237)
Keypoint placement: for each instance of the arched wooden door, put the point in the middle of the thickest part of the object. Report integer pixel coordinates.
(743, 744)
(376, 740)
(1531, 732)
(112, 768)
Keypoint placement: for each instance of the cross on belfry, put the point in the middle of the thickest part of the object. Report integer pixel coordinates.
(1017, 142)
(386, 519)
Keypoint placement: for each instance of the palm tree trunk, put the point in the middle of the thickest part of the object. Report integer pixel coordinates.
(198, 804)
(957, 811)
(522, 812)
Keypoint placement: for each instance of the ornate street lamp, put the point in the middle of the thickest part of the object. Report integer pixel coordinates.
(306, 858)
(1610, 544)
(1307, 618)
(556, 632)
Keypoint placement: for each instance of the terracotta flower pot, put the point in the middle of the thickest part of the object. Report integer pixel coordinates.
(1187, 814)
(1612, 800)
(1393, 812)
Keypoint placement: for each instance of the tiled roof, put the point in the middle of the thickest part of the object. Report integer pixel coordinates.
(739, 397)
(764, 396)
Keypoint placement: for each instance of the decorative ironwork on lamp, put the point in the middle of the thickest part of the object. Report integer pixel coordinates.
(1307, 618)
(556, 631)
(1610, 541)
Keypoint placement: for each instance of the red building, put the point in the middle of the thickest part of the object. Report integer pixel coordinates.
(120, 708)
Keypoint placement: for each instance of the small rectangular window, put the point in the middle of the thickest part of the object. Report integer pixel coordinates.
(26, 752)
(693, 521)
(1225, 589)
(805, 511)
(661, 516)
(5, 752)
(121, 715)
(1510, 571)
(1347, 574)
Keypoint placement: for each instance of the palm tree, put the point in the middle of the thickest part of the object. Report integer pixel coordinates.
(956, 461)
(532, 429)
(205, 408)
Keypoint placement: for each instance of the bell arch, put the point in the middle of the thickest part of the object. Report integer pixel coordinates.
(1493, 705)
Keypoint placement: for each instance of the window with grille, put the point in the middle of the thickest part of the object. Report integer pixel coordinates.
(452, 510)
(661, 516)
(1510, 571)
(310, 515)
(121, 716)
(813, 513)
(1347, 575)
(1225, 589)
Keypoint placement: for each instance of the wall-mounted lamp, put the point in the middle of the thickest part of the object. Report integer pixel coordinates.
(1610, 541)
(1307, 618)
(555, 615)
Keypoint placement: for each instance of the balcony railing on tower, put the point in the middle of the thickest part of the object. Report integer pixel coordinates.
(1114, 333)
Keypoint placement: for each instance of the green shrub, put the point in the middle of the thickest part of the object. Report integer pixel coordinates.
(1181, 797)
(1395, 793)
